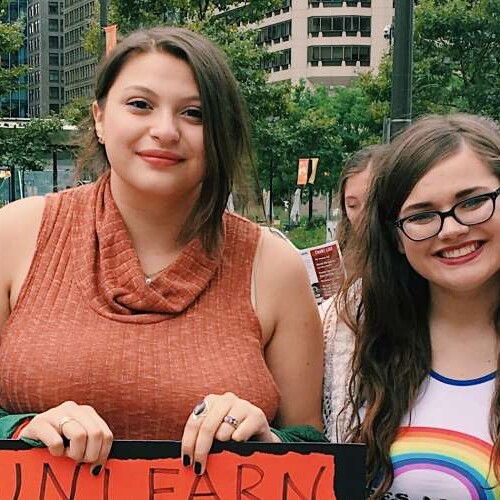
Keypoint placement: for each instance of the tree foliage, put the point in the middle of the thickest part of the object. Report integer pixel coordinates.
(456, 54)
(26, 147)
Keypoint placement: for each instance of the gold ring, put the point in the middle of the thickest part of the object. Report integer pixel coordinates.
(64, 420)
(233, 422)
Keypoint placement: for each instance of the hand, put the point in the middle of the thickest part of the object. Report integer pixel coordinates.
(89, 436)
(222, 417)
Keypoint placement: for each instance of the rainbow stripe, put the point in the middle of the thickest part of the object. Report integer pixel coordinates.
(462, 456)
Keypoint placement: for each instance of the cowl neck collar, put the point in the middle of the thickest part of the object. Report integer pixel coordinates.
(108, 271)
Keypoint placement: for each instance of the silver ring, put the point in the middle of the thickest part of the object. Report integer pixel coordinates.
(200, 410)
(233, 422)
(64, 420)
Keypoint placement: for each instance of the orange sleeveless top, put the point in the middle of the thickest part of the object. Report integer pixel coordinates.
(88, 328)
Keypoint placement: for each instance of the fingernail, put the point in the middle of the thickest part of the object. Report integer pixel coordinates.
(96, 470)
(197, 468)
(186, 460)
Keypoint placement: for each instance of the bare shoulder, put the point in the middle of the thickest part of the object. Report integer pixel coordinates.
(278, 257)
(19, 226)
(22, 217)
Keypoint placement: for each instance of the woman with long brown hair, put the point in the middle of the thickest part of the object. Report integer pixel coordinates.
(416, 378)
(136, 307)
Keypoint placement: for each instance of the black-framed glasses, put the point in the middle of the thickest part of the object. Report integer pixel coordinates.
(469, 212)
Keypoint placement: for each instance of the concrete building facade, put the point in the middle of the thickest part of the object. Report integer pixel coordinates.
(325, 42)
(45, 56)
(79, 65)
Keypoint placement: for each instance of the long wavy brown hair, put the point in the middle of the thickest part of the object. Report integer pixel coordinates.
(392, 341)
(355, 164)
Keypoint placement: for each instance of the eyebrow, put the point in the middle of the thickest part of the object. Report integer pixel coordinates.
(426, 205)
(146, 90)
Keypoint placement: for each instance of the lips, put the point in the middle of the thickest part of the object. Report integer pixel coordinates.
(161, 159)
(160, 154)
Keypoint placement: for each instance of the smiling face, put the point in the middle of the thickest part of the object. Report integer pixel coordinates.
(459, 258)
(356, 193)
(152, 129)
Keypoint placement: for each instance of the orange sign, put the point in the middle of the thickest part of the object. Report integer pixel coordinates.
(110, 32)
(254, 472)
(314, 163)
(302, 173)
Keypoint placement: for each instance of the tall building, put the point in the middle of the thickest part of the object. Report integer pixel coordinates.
(79, 65)
(325, 42)
(15, 103)
(45, 56)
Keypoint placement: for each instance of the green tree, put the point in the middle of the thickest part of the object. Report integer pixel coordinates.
(11, 39)
(77, 110)
(456, 60)
(133, 14)
(28, 147)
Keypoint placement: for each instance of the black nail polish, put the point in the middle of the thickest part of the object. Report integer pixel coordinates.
(197, 468)
(186, 461)
(96, 470)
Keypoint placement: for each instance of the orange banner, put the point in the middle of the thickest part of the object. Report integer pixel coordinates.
(110, 32)
(312, 177)
(34, 473)
(302, 173)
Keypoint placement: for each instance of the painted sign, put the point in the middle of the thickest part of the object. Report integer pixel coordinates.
(153, 470)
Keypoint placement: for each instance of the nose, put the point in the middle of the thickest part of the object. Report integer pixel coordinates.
(452, 228)
(165, 128)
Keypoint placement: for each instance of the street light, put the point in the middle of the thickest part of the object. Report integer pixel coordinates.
(402, 67)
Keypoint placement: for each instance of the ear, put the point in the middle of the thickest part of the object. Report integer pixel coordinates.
(98, 114)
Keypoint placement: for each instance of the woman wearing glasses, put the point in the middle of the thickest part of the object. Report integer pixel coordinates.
(420, 385)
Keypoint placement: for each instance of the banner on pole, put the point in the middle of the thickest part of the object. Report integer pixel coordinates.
(153, 470)
(314, 163)
(110, 32)
(302, 173)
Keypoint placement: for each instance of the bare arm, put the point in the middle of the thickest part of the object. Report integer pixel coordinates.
(19, 227)
(292, 328)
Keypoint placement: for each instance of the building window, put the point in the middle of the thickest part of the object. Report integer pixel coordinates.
(53, 75)
(334, 55)
(54, 108)
(336, 25)
(54, 92)
(278, 61)
(365, 26)
(53, 59)
(54, 8)
(275, 33)
(53, 42)
(53, 24)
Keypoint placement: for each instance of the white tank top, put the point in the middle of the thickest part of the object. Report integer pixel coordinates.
(443, 452)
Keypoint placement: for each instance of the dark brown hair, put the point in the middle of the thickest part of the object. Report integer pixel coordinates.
(225, 130)
(393, 347)
(355, 164)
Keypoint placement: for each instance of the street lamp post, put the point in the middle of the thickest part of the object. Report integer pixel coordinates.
(402, 67)
(271, 178)
(12, 184)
